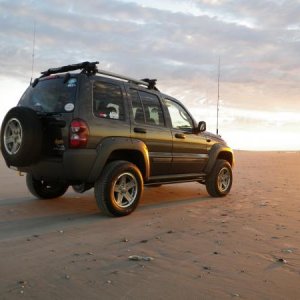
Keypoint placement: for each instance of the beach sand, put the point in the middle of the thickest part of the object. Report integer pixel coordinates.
(246, 245)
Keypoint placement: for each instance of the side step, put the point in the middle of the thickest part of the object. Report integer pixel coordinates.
(178, 178)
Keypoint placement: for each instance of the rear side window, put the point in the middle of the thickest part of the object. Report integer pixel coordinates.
(108, 101)
(146, 108)
(51, 95)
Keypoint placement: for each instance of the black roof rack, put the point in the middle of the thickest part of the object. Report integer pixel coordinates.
(87, 67)
(151, 83)
(90, 68)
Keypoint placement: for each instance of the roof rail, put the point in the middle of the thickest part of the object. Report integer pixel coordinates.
(90, 68)
(129, 79)
(149, 83)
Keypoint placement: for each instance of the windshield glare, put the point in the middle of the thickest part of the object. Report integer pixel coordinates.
(51, 95)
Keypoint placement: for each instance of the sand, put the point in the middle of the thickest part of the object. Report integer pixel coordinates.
(245, 246)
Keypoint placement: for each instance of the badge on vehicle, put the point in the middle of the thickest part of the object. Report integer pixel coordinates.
(72, 82)
(69, 107)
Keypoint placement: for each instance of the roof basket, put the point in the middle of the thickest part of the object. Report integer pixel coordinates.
(87, 67)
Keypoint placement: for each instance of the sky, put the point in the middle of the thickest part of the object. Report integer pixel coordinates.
(179, 42)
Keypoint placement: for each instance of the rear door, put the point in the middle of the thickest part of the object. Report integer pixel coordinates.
(148, 124)
(54, 99)
(106, 111)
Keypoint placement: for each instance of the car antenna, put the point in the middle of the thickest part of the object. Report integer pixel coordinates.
(218, 101)
(33, 48)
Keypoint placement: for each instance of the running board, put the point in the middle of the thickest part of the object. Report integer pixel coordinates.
(178, 178)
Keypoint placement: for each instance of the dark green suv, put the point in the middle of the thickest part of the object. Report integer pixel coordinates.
(98, 129)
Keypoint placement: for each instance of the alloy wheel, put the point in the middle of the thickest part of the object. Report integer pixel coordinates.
(125, 190)
(13, 136)
(224, 180)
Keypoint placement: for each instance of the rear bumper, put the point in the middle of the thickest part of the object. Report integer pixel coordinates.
(75, 165)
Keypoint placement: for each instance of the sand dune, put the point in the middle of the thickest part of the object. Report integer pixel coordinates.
(246, 245)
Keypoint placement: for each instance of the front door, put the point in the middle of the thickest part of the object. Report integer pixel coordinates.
(190, 153)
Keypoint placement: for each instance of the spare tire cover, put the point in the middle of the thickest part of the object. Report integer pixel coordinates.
(21, 137)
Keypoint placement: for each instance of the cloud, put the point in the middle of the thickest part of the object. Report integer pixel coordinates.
(178, 42)
(263, 14)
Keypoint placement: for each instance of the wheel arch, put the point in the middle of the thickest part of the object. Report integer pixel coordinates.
(219, 151)
(111, 149)
(131, 155)
(226, 155)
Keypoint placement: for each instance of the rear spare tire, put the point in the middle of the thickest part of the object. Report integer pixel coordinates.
(21, 137)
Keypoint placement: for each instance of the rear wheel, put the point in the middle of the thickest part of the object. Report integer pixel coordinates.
(45, 190)
(219, 181)
(119, 188)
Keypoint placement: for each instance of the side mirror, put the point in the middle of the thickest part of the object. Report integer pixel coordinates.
(201, 126)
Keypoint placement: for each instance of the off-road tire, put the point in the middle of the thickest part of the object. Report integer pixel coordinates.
(21, 137)
(219, 181)
(119, 188)
(45, 190)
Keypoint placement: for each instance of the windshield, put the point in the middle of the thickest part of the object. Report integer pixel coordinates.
(51, 95)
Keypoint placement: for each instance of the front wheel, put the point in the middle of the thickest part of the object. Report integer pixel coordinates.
(119, 188)
(45, 190)
(219, 181)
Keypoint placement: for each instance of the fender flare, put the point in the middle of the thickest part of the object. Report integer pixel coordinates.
(111, 144)
(219, 151)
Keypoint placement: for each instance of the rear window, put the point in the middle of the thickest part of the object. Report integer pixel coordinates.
(51, 95)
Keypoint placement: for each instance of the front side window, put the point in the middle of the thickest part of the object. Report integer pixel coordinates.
(108, 101)
(146, 108)
(179, 117)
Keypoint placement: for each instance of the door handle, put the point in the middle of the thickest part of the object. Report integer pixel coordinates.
(139, 130)
(180, 136)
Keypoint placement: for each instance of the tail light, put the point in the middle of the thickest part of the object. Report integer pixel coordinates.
(79, 134)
